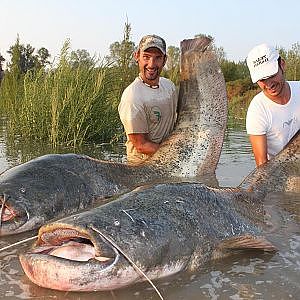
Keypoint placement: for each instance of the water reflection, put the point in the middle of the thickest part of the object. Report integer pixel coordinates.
(247, 275)
(236, 159)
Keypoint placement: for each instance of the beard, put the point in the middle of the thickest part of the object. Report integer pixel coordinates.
(151, 74)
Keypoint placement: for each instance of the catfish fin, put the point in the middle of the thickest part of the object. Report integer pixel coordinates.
(247, 241)
(242, 242)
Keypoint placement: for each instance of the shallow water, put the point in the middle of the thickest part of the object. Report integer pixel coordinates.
(247, 275)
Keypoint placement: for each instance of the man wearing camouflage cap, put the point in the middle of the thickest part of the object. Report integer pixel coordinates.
(148, 105)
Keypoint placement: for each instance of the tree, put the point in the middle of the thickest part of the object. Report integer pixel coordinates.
(23, 58)
(2, 59)
(121, 53)
(121, 57)
(81, 57)
(293, 62)
(173, 64)
(42, 56)
(234, 71)
(1, 69)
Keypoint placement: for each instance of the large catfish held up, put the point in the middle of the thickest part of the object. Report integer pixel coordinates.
(163, 229)
(53, 186)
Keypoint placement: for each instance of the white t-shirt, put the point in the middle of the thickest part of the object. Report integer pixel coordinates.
(146, 110)
(278, 122)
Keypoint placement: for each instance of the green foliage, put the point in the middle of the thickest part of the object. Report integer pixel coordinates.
(233, 71)
(81, 57)
(63, 105)
(238, 104)
(2, 59)
(239, 87)
(1, 69)
(71, 103)
(172, 67)
(76, 100)
(293, 63)
(23, 58)
(122, 61)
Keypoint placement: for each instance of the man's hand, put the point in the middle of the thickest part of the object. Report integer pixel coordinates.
(143, 145)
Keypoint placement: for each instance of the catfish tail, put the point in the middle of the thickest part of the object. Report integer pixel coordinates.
(197, 44)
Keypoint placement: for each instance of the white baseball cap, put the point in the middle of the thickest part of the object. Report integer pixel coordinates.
(262, 62)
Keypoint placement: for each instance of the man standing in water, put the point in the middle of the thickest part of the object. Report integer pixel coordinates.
(273, 116)
(148, 105)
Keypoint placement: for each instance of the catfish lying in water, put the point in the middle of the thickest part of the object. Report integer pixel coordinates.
(54, 186)
(163, 229)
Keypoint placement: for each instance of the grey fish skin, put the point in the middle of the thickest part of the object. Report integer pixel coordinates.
(202, 86)
(164, 229)
(285, 170)
(57, 185)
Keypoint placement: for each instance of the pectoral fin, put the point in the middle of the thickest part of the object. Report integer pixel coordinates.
(248, 241)
(243, 242)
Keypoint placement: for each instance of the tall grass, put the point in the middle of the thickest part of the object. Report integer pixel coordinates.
(238, 105)
(64, 105)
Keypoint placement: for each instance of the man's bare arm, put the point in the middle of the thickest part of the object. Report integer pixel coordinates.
(259, 148)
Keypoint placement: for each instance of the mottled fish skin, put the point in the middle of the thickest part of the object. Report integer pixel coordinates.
(56, 185)
(285, 170)
(164, 229)
(196, 143)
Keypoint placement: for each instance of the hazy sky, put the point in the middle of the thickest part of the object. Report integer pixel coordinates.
(236, 25)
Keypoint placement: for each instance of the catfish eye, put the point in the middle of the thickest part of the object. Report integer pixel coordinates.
(22, 190)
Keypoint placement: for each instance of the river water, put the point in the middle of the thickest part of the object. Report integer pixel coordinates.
(247, 275)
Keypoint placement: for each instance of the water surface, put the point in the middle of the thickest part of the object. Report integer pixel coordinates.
(248, 275)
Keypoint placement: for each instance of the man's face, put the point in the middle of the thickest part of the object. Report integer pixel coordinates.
(151, 62)
(272, 86)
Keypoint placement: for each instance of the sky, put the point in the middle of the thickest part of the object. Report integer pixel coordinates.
(236, 25)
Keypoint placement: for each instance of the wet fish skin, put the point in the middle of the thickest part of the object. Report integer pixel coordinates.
(163, 228)
(59, 185)
(285, 170)
(56, 185)
(202, 86)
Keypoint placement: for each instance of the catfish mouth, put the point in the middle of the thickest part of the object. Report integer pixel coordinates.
(73, 245)
(67, 259)
(11, 217)
(6, 212)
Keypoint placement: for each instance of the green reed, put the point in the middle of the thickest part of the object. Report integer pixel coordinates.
(238, 105)
(64, 105)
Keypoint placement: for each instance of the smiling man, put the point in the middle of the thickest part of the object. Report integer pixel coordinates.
(273, 116)
(148, 105)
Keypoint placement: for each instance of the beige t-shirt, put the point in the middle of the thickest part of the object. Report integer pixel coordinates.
(143, 109)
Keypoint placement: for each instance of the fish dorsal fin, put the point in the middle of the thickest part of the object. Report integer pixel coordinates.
(247, 241)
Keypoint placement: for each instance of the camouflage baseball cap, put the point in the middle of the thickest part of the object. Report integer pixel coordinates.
(153, 40)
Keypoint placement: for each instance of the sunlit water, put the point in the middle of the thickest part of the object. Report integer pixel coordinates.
(251, 275)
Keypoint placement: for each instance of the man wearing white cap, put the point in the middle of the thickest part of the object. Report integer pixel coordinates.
(148, 105)
(273, 116)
